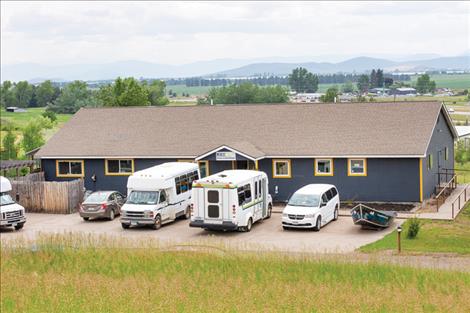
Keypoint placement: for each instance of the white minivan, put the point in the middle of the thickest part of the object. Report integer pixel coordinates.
(159, 194)
(11, 213)
(312, 206)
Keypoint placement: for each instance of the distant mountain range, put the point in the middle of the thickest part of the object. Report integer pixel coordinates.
(222, 67)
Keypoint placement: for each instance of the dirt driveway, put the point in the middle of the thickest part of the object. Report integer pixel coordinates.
(340, 236)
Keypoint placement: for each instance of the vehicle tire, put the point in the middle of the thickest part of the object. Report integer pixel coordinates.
(336, 214)
(317, 224)
(187, 213)
(158, 223)
(125, 226)
(270, 211)
(86, 219)
(19, 226)
(249, 224)
(111, 215)
(285, 227)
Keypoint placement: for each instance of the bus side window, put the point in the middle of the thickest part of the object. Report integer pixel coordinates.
(256, 189)
(247, 188)
(259, 189)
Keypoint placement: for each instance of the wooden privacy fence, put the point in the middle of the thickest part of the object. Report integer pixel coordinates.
(48, 197)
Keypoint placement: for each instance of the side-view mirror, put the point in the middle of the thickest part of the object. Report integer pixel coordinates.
(322, 204)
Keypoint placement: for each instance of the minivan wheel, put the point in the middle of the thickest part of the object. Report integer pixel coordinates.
(111, 215)
(125, 226)
(86, 219)
(317, 224)
(158, 222)
(335, 218)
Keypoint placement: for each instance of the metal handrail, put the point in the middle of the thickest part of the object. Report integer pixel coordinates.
(452, 183)
(464, 192)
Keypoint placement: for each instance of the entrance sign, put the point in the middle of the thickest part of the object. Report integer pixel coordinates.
(225, 156)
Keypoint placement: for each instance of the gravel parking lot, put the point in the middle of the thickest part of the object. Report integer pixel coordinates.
(340, 236)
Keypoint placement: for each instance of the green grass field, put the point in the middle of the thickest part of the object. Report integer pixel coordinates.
(455, 81)
(434, 236)
(66, 276)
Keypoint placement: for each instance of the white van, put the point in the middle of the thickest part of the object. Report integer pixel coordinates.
(11, 213)
(159, 194)
(230, 200)
(312, 206)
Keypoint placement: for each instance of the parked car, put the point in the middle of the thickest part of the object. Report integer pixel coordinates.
(312, 206)
(102, 204)
(11, 213)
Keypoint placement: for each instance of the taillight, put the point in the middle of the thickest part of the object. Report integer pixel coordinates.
(82, 208)
(103, 206)
(234, 210)
(191, 209)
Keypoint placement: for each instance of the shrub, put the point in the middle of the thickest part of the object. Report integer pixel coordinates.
(413, 228)
(50, 115)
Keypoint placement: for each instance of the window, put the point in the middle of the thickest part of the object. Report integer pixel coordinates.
(162, 197)
(213, 196)
(119, 167)
(329, 195)
(357, 167)
(256, 190)
(259, 189)
(244, 194)
(281, 169)
(324, 198)
(334, 191)
(70, 168)
(203, 168)
(429, 162)
(182, 183)
(323, 167)
(446, 153)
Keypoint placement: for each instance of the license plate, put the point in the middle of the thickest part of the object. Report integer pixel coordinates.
(133, 223)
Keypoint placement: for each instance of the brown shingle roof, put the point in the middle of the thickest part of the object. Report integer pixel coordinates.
(340, 129)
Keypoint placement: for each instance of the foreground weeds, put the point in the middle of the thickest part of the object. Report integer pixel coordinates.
(97, 274)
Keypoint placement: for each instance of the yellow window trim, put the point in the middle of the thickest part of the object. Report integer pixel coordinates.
(57, 174)
(207, 166)
(357, 174)
(107, 173)
(430, 162)
(323, 174)
(187, 160)
(289, 168)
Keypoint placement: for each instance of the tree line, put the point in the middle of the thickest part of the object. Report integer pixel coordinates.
(70, 98)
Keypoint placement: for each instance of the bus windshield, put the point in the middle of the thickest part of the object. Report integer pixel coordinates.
(304, 200)
(143, 197)
(5, 199)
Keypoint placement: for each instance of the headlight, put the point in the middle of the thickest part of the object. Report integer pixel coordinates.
(148, 213)
(284, 214)
(309, 215)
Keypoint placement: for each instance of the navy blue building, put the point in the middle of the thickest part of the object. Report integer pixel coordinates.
(390, 152)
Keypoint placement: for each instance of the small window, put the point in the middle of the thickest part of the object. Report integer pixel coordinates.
(357, 167)
(69, 168)
(334, 191)
(323, 167)
(119, 197)
(259, 189)
(281, 169)
(241, 196)
(213, 196)
(329, 195)
(446, 153)
(162, 197)
(256, 190)
(430, 162)
(324, 198)
(119, 167)
(247, 190)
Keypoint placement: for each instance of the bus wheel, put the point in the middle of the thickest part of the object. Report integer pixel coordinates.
(158, 222)
(249, 224)
(270, 211)
(187, 213)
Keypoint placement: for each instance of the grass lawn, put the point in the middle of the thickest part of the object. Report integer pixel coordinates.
(434, 237)
(455, 81)
(61, 277)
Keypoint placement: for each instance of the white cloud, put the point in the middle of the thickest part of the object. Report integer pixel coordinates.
(182, 32)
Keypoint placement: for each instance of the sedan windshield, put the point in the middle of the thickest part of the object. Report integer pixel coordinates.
(97, 197)
(143, 197)
(304, 200)
(6, 199)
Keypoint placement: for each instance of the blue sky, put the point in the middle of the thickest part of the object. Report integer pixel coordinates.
(56, 33)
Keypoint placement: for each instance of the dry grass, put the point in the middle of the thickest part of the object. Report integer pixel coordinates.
(97, 274)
